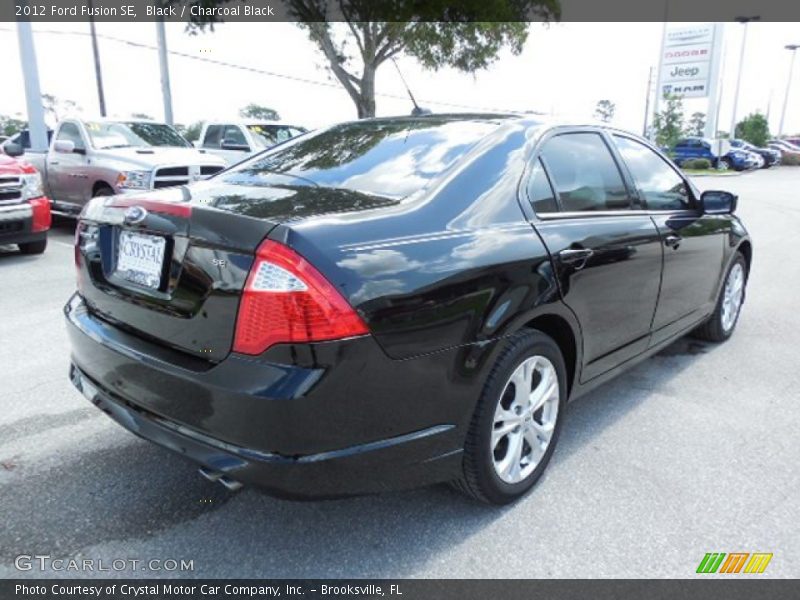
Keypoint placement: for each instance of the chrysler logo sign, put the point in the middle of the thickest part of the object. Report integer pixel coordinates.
(134, 215)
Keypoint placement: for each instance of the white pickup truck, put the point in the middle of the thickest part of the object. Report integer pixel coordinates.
(106, 157)
(234, 141)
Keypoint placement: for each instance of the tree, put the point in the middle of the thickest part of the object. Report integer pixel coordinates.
(604, 111)
(58, 108)
(256, 111)
(143, 116)
(466, 36)
(668, 124)
(11, 125)
(191, 132)
(697, 124)
(754, 128)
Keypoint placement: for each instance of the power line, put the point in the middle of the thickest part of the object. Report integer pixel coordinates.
(246, 68)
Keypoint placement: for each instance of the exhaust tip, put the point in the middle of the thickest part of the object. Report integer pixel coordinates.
(214, 476)
(209, 474)
(231, 484)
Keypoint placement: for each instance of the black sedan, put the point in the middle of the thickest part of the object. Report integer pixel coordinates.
(396, 302)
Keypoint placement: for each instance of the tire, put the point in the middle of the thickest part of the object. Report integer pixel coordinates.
(720, 325)
(103, 190)
(725, 164)
(33, 247)
(528, 351)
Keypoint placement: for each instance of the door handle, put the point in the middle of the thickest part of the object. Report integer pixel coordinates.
(673, 241)
(575, 257)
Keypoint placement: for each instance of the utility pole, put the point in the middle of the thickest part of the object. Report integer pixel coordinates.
(166, 92)
(744, 21)
(793, 48)
(647, 102)
(33, 93)
(98, 73)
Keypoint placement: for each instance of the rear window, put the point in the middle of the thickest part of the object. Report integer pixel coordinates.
(386, 158)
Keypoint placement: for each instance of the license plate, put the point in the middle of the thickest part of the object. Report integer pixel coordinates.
(140, 258)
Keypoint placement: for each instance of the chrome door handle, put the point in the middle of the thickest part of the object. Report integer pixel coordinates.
(575, 257)
(673, 241)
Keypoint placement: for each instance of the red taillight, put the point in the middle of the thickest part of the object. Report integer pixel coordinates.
(41, 214)
(286, 300)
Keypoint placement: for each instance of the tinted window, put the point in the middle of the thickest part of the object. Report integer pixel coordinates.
(234, 136)
(70, 132)
(660, 186)
(540, 193)
(392, 158)
(584, 173)
(213, 136)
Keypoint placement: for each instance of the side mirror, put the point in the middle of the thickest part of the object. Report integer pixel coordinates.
(13, 149)
(226, 145)
(718, 203)
(64, 146)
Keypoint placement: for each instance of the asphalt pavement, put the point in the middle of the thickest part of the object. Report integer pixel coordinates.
(693, 451)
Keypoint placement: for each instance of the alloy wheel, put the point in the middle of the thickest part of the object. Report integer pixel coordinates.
(732, 296)
(525, 419)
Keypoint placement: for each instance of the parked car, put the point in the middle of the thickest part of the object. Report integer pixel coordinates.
(106, 157)
(794, 141)
(770, 156)
(23, 139)
(733, 158)
(234, 141)
(790, 154)
(396, 302)
(24, 209)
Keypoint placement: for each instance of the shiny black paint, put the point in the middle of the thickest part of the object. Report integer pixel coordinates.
(441, 278)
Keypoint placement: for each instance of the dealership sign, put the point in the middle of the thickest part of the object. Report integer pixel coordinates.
(687, 56)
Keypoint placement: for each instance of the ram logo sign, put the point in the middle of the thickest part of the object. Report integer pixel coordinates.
(734, 563)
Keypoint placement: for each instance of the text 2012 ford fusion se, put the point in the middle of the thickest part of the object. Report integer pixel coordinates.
(396, 302)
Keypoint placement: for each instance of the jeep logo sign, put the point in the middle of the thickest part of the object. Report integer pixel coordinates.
(686, 60)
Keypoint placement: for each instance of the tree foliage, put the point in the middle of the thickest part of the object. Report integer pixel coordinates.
(604, 111)
(668, 123)
(697, 124)
(11, 125)
(466, 36)
(190, 132)
(256, 111)
(58, 108)
(754, 128)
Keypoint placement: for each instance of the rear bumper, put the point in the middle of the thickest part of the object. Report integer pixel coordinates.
(304, 431)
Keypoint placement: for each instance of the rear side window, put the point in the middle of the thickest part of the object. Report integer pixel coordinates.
(584, 173)
(213, 136)
(540, 193)
(660, 186)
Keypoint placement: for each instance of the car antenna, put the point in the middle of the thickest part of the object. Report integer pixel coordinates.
(417, 109)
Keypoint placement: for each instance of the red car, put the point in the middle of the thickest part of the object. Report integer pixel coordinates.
(24, 209)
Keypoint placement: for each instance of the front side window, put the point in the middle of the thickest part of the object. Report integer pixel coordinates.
(71, 133)
(213, 136)
(234, 136)
(584, 173)
(659, 185)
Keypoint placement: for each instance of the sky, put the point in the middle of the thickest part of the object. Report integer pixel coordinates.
(564, 70)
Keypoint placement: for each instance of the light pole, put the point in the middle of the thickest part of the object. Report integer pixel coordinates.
(98, 74)
(793, 48)
(744, 21)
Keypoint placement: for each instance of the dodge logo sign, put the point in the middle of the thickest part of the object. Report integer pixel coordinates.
(134, 215)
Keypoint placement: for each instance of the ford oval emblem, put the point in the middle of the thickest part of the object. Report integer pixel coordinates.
(134, 215)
